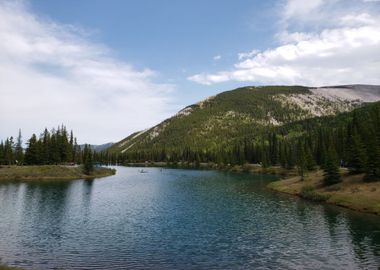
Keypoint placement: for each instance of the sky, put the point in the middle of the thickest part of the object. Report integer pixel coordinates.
(106, 69)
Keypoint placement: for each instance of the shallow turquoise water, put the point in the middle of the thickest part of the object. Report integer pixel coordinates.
(178, 219)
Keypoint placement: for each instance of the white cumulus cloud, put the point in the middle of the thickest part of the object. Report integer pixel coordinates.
(52, 73)
(344, 52)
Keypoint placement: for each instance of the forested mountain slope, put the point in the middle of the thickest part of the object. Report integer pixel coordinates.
(221, 121)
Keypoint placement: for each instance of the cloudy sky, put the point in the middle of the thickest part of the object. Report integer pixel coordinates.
(108, 68)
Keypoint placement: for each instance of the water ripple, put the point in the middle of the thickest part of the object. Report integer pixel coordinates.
(178, 219)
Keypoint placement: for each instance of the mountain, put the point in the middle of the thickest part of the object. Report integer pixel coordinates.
(99, 147)
(245, 113)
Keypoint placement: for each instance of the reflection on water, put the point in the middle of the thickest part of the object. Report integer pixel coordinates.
(185, 219)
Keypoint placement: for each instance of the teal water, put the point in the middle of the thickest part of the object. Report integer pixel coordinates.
(178, 219)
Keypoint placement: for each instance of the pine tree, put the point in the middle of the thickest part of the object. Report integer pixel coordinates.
(32, 154)
(291, 157)
(274, 155)
(283, 155)
(372, 169)
(310, 162)
(54, 149)
(331, 169)
(45, 147)
(2, 157)
(357, 162)
(8, 151)
(19, 152)
(88, 166)
(301, 160)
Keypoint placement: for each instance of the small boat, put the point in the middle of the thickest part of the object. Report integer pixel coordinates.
(142, 171)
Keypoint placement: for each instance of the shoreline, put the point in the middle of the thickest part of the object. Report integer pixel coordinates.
(246, 168)
(49, 172)
(352, 193)
(5, 267)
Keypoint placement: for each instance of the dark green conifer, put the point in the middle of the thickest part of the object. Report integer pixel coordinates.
(88, 165)
(301, 160)
(331, 169)
(19, 152)
(32, 153)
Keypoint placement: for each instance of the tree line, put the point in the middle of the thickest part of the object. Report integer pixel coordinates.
(350, 140)
(57, 146)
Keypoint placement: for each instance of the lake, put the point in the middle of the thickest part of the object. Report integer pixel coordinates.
(178, 219)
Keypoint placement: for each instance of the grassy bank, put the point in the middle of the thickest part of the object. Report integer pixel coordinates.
(2, 267)
(352, 192)
(49, 172)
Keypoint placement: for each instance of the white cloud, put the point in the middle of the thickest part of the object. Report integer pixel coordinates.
(345, 52)
(301, 8)
(52, 73)
(217, 57)
(246, 55)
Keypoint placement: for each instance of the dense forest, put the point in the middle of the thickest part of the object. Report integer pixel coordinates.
(231, 117)
(349, 139)
(57, 146)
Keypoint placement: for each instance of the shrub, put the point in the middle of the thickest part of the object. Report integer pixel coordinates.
(309, 193)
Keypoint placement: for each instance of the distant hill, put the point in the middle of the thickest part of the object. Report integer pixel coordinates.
(245, 113)
(98, 148)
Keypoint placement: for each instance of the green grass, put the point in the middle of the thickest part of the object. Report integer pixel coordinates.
(49, 172)
(2, 267)
(353, 192)
(308, 192)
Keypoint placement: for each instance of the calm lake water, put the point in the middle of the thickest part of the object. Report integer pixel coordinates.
(178, 219)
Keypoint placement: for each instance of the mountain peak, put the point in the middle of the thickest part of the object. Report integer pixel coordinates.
(244, 113)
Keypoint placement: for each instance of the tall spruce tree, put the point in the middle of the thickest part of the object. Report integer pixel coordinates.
(19, 152)
(8, 151)
(32, 153)
(2, 158)
(301, 160)
(331, 169)
(372, 169)
(88, 165)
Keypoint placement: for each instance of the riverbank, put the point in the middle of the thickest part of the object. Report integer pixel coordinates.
(247, 168)
(50, 172)
(351, 193)
(2, 267)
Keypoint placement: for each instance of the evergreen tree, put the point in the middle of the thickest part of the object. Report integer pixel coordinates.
(45, 147)
(8, 151)
(291, 157)
(32, 153)
(301, 160)
(373, 153)
(310, 162)
(331, 169)
(357, 157)
(2, 157)
(283, 158)
(19, 152)
(88, 166)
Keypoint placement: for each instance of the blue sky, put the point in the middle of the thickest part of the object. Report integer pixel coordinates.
(109, 68)
(175, 38)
